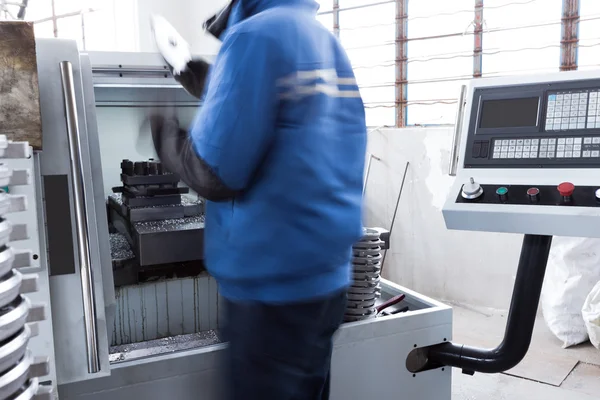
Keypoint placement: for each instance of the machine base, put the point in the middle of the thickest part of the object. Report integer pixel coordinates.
(369, 360)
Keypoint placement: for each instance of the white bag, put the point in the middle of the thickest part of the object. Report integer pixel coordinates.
(573, 270)
(591, 315)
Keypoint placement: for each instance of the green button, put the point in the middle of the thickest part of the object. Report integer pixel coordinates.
(501, 191)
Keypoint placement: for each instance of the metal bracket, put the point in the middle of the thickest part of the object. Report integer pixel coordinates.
(40, 367)
(14, 150)
(37, 312)
(44, 393)
(29, 284)
(20, 177)
(22, 258)
(19, 232)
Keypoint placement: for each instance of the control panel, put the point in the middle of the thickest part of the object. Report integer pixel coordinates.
(553, 124)
(529, 156)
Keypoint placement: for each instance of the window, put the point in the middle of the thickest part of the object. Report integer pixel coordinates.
(589, 43)
(521, 36)
(440, 58)
(367, 34)
(98, 25)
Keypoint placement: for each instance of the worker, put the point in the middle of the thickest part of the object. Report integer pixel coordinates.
(278, 150)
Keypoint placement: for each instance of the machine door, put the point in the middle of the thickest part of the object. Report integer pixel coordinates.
(76, 234)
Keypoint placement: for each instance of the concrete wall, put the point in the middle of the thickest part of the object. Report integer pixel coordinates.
(463, 267)
(187, 16)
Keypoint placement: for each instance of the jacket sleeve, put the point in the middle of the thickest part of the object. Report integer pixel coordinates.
(235, 126)
(174, 149)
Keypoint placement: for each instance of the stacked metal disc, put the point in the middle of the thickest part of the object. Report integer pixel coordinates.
(365, 289)
(18, 368)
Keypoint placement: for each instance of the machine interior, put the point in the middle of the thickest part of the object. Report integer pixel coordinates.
(167, 307)
(162, 307)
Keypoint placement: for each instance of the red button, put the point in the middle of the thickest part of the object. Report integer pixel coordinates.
(533, 191)
(566, 189)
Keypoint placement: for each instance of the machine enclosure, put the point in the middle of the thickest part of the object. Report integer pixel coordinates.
(112, 90)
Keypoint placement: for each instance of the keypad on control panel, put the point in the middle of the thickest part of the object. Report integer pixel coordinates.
(573, 111)
(545, 148)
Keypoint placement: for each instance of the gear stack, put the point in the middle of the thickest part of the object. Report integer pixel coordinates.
(364, 291)
(19, 369)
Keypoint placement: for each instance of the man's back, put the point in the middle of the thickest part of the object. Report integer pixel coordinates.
(293, 146)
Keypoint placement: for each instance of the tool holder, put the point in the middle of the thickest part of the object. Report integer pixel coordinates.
(19, 368)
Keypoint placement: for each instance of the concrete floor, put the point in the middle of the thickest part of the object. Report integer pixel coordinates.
(547, 373)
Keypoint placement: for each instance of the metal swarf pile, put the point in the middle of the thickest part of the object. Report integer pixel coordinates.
(365, 289)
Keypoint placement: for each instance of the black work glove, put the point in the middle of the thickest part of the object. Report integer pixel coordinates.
(190, 72)
(175, 150)
(193, 77)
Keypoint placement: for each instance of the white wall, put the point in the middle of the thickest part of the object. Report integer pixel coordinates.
(187, 16)
(464, 267)
(124, 133)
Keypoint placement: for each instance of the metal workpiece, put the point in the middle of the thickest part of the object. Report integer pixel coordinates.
(81, 221)
(29, 391)
(10, 287)
(5, 175)
(33, 390)
(14, 349)
(13, 380)
(5, 231)
(365, 289)
(7, 257)
(13, 317)
(520, 323)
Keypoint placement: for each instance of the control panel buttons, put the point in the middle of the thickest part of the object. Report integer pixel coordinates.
(472, 190)
(598, 194)
(566, 190)
(533, 194)
(502, 194)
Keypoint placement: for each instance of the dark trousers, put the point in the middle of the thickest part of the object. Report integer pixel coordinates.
(281, 352)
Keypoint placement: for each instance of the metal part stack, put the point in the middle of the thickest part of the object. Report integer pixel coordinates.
(19, 369)
(152, 216)
(365, 290)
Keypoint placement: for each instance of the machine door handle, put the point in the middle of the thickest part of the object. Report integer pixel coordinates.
(81, 222)
(457, 132)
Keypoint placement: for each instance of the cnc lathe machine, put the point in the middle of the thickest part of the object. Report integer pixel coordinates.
(116, 243)
(103, 292)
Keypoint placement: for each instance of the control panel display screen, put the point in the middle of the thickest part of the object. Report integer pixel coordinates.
(509, 113)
